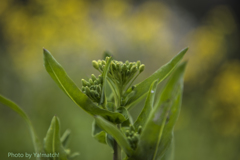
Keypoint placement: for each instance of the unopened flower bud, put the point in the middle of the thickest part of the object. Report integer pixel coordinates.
(85, 83)
(93, 77)
(95, 64)
(141, 68)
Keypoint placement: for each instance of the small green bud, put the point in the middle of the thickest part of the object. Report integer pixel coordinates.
(95, 64)
(133, 69)
(103, 62)
(113, 66)
(85, 83)
(98, 89)
(141, 68)
(107, 58)
(124, 68)
(135, 138)
(87, 90)
(93, 77)
(131, 127)
(139, 129)
(138, 64)
(83, 89)
(127, 62)
(91, 81)
(127, 133)
(100, 79)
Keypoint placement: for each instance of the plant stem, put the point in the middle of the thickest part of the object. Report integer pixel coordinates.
(116, 149)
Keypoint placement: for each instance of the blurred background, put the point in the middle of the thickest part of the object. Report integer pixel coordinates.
(77, 32)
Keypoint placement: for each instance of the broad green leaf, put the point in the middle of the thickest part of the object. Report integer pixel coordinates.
(105, 71)
(59, 75)
(115, 133)
(52, 141)
(143, 87)
(37, 144)
(142, 118)
(65, 138)
(151, 133)
(172, 90)
(98, 133)
(169, 154)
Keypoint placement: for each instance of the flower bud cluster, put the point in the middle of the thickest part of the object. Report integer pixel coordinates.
(120, 72)
(132, 136)
(93, 87)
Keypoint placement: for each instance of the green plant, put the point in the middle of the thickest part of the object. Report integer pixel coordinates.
(54, 147)
(150, 137)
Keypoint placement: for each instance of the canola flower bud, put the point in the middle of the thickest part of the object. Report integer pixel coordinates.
(124, 68)
(131, 127)
(95, 64)
(83, 88)
(141, 68)
(103, 62)
(139, 129)
(138, 64)
(87, 90)
(98, 89)
(93, 77)
(127, 62)
(133, 69)
(127, 133)
(85, 83)
(91, 81)
(135, 138)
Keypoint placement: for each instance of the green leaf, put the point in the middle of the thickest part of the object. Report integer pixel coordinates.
(98, 133)
(65, 138)
(151, 134)
(105, 71)
(173, 90)
(169, 155)
(115, 133)
(142, 118)
(52, 141)
(143, 87)
(37, 144)
(73, 92)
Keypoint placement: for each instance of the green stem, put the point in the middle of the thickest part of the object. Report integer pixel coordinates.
(117, 149)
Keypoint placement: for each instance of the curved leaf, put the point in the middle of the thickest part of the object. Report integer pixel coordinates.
(143, 87)
(52, 141)
(65, 138)
(115, 133)
(98, 133)
(37, 144)
(142, 118)
(105, 71)
(173, 89)
(147, 146)
(73, 92)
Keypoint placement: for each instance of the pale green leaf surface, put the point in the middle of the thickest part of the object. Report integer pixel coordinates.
(173, 90)
(36, 142)
(143, 87)
(115, 133)
(52, 141)
(59, 75)
(147, 145)
(142, 118)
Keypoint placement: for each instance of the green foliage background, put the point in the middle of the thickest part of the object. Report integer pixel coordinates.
(77, 31)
